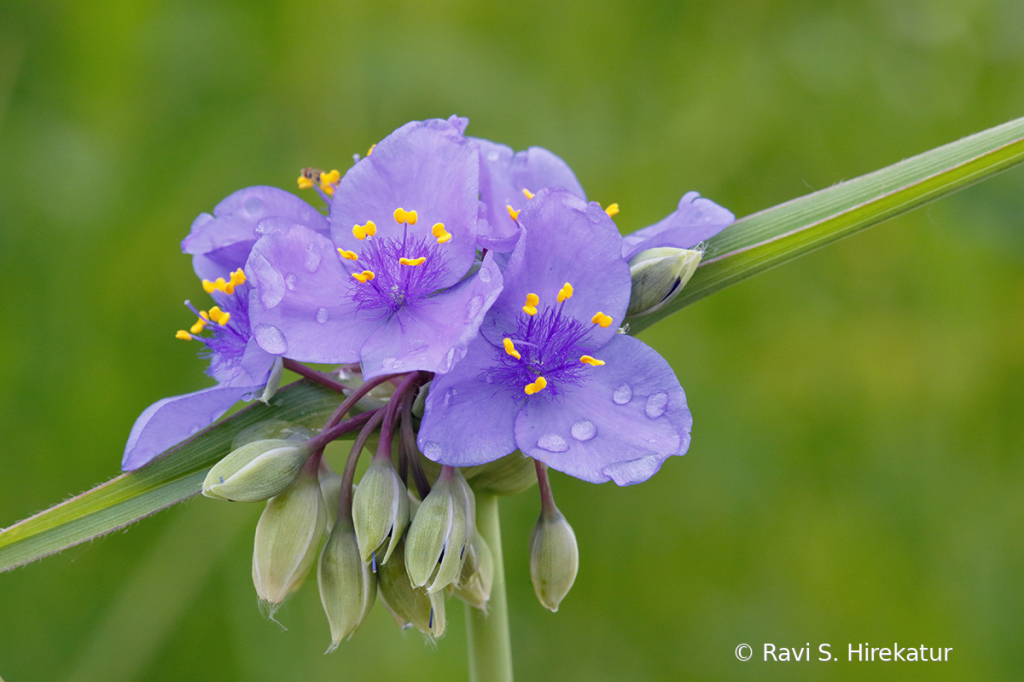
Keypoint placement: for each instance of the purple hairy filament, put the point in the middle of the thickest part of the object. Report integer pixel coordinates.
(405, 273)
(226, 343)
(549, 345)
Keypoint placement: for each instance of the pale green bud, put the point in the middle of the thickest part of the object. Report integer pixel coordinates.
(439, 533)
(509, 475)
(658, 277)
(380, 509)
(410, 606)
(554, 559)
(330, 491)
(270, 429)
(420, 402)
(287, 537)
(273, 381)
(477, 578)
(347, 585)
(256, 471)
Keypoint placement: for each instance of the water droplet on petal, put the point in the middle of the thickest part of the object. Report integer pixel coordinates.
(623, 394)
(485, 274)
(449, 395)
(698, 215)
(312, 260)
(449, 359)
(388, 363)
(492, 156)
(291, 281)
(194, 430)
(583, 430)
(552, 442)
(270, 339)
(269, 281)
(253, 206)
(432, 449)
(321, 315)
(656, 404)
(475, 304)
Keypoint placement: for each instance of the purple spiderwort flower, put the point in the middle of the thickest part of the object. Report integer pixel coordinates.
(695, 220)
(507, 180)
(549, 373)
(220, 244)
(393, 287)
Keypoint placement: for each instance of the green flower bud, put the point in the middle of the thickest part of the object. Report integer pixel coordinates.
(256, 471)
(440, 531)
(420, 402)
(554, 558)
(347, 585)
(330, 491)
(271, 429)
(380, 509)
(658, 277)
(477, 578)
(410, 606)
(510, 475)
(287, 537)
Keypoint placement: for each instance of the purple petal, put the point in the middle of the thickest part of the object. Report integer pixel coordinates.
(695, 220)
(566, 240)
(233, 223)
(167, 422)
(467, 421)
(427, 167)
(301, 306)
(504, 176)
(434, 334)
(256, 363)
(621, 424)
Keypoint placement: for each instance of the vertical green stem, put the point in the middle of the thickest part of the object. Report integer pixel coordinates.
(490, 648)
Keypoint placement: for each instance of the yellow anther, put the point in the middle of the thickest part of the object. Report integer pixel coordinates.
(198, 326)
(403, 216)
(331, 178)
(361, 232)
(539, 384)
(304, 182)
(443, 236)
(370, 150)
(237, 278)
(209, 287)
(413, 261)
(612, 210)
(203, 314)
(591, 360)
(511, 349)
(348, 255)
(528, 194)
(328, 190)
(219, 316)
(183, 335)
(601, 319)
(531, 304)
(512, 213)
(364, 276)
(565, 292)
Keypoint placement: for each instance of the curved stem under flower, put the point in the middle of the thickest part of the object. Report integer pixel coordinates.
(313, 375)
(349, 475)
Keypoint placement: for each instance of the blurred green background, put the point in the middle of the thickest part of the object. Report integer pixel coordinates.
(856, 471)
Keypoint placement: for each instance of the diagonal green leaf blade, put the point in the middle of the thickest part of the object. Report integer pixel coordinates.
(173, 477)
(763, 240)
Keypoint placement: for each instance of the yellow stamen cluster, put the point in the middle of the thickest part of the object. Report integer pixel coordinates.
(511, 349)
(361, 232)
(442, 235)
(536, 386)
(312, 176)
(512, 213)
(228, 287)
(601, 319)
(403, 216)
(328, 181)
(348, 255)
(219, 316)
(364, 276)
(591, 360)
(412, 261)
(565, 292)
(612, 210)
(532, 300)
(528, 194)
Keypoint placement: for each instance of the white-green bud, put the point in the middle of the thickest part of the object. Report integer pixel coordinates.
(474, 586)
(287, 537)
(509, 475)
(330, 491)
(380, 509)
(273, 381)
(256, 471)
(270, 429)
(554, 558)
(440, 531)
(658, 277)
(347, 585)
(410, 606)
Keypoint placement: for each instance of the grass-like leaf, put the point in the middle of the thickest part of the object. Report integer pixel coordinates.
(173, 477)
(779, 234)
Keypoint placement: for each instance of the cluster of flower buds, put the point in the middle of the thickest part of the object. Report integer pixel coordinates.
(478, 305)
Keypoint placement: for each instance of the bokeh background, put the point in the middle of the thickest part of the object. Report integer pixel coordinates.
(856, 470)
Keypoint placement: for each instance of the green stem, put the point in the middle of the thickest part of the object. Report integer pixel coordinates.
(490, 648)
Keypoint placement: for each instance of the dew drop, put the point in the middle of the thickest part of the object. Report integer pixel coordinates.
(552, 442)
(291, 281)
(270, 339)
(253, 206)
(432, 449)
(656, 404)
(269, 281)
(449, 359)
(312, 260)
(449, 396)
(475, 304)
(698, 215)
(388, 363)
(194, 430)
(584, 430)
(485, 274)
(321, 315)
(623, 394)
(492, 156)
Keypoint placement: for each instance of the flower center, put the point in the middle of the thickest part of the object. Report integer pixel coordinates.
(227, 322)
